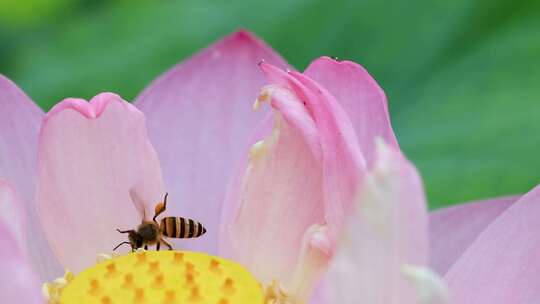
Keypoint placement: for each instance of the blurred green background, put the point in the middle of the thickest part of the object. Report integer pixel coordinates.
(462, 77)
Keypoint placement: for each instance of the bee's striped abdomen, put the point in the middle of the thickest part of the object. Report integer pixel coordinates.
(179, 227)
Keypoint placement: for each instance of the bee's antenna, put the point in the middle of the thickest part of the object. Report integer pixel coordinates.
(120, 245)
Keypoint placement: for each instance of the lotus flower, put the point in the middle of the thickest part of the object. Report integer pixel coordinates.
(310, 193)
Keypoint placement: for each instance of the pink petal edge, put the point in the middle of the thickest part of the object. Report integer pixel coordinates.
(98, 105)
(200, 119)
(502, 264)
(20, 119)
(453, 229)
(91, 156)
(360, 96)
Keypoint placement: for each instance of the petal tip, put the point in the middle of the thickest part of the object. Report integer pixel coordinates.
(347, 65)
(334, 61)
(243, 37)
(90, 109)
(244, 34)
(241, 43)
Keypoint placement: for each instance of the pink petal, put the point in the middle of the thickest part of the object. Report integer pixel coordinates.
(18, 282)
(342, 160)
(91, 156)
(287, 203)
(282, 192)
(360, 96)
(12, 214)
(453, 229)
(20, 119)
(502, 264)
(386, 233)
(200, 119)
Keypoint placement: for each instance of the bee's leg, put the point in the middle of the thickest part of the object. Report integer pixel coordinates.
(158, 245)
(124, 231)
(120, 245)
(167, 244)
(160, 208)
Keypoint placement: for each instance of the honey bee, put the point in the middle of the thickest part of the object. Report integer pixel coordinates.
(152, 233)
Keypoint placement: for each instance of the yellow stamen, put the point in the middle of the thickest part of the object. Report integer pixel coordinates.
(163, 277)
(51, 291)
(275, 293)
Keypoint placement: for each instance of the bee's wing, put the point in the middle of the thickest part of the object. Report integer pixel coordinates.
(139, 204)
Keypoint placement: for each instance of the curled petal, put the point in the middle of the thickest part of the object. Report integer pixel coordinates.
(502, 264)
(91, 156)
(200, 119)
(360, 96)
(20, 119)
(341, 158)
(387, 231)
(19, 283)
(288, 201)
(280, 191)
(453, 229)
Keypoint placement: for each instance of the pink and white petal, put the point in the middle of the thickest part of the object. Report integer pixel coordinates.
(18, 281)
(341, 158)
(453, 229)
(502, 264)
(360, 96)
(91, 157)
(386, 232)
(277, 199)
(298, 178)
(20, 120)
(200, 118)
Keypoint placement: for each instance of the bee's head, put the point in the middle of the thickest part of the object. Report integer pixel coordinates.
(135, 239)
